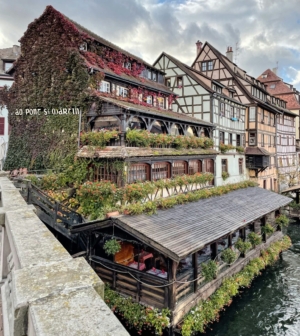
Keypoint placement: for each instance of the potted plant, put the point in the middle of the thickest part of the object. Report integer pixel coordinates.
(225, 175)
(112, 246)
(267, 229)
(282, 221)
(243, 246)
(210, 270)
(229, 256)
(254, 239)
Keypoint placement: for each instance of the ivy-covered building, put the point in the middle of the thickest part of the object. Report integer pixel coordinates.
(64, 68)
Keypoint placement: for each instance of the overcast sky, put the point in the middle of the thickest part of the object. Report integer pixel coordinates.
(266, 31)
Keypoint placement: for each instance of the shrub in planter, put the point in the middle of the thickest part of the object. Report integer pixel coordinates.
(149, 208)
(210, 270)
(135, 208)
(282, 221)
(225, 175)
(112, 246)
(229, 256)
(240, 149)
(254, 239)
(267, 229)
(243, 246)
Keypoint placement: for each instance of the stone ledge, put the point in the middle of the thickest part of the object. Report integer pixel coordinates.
(81, 313)
(32, 284)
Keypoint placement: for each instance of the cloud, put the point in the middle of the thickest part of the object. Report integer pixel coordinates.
(266, 31)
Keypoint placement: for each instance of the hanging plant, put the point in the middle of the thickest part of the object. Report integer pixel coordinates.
(229, 256)
(267, 229)
(112, 246)
(225, 175)
(254, 239)
(243, 246)
(282, 221)
(210, 270)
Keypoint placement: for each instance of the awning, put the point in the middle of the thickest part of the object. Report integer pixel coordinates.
(185, 229)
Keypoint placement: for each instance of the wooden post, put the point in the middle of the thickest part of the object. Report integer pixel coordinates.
(214, 250)
(29, 192)
(195, 265)
(297, 197)
(263, 223)
(172, 288)
(230, 240)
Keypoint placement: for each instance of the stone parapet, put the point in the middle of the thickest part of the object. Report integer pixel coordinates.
(45, 291)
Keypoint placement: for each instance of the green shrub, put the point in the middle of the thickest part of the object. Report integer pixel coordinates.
(254, 239)
(210, 270)
(229, 256)
(282, 221)
(243, 246)
(267, 229)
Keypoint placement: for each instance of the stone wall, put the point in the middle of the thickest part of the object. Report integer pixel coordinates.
(45, 291)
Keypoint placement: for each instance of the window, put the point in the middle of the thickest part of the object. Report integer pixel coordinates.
(140, 97)
(149, 100)
(7, 65)
(264, 76)
(108, 173)
(138, 172)
(160, 102)
(168, 82)
(195, 167)
(230, 139)
(104, 86)
(221, 137)
(272, 86)
(2, 126)
(230, 95)
(203, 66)
(265, 184)
(238, 113)
(154, 76)
(160, 170)
(241, 166)
(238, 140)
(269, 140)
(224, 165)
(83, 46)
(252, 139)
(179, 82)
(219, 90)
(123, 92)
(271, 120)
(127, 65)
(214, 87)
(252, 114)
(210, 65)
(231, 111)
(222, 109)
(179, 168)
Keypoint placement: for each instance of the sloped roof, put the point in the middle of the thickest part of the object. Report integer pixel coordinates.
(188, 228)
(154, 111)
(256, 151)
(271, 77)
(132, 152)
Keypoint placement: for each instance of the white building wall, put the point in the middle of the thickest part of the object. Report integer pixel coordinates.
(232, 168)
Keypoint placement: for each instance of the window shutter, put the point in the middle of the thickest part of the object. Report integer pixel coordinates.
(2, 126)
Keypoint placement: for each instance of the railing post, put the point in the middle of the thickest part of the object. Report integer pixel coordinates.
(29, 187)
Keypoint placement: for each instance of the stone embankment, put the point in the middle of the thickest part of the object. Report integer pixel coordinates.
(44, 291)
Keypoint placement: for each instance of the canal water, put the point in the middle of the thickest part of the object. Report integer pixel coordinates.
(271, 306)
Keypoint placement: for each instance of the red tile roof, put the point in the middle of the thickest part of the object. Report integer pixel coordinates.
(271, 77)
(256, 151)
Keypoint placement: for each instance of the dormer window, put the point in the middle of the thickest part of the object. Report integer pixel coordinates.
(219, 90)
(7, 65)
(214, 87)
(83, 46)
(149, 100)
(272, 86)
(264, 76)
(127, 65)
(104, 87)
(179, 82)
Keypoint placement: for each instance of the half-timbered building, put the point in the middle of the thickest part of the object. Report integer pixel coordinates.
(211, 101)
(261, 114)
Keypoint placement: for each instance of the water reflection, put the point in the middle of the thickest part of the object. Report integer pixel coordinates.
(272, 305)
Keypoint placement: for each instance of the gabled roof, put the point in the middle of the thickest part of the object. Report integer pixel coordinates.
(271, 77)
(187, 228)
(194, 74)
(225, 61)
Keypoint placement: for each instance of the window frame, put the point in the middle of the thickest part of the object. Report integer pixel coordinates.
(204, 66)
(241, 164)
(107, 85)
(199, 167)
(176, 168)
(160, 173)
(132, 169)
(149, 98)
(179, 82)
(224, 165)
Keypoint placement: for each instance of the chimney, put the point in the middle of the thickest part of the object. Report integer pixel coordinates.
(198, 46)
(275, 71)
(229, 53)
(16, 49)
